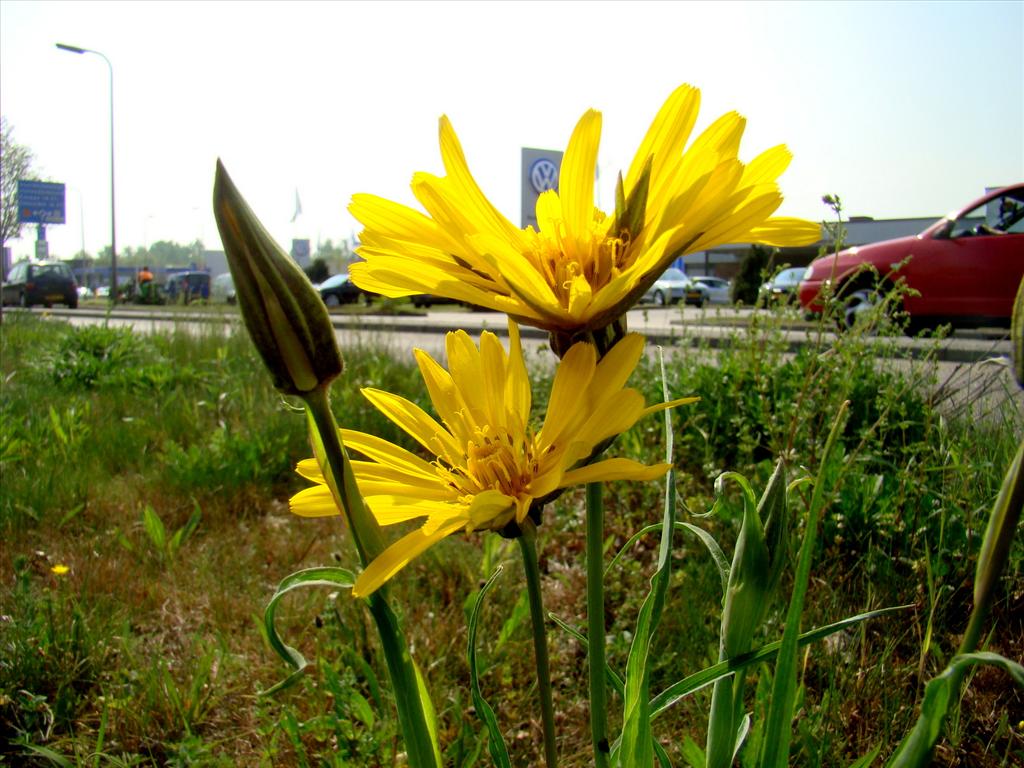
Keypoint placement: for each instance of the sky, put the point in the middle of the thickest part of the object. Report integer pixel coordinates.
(901, 109)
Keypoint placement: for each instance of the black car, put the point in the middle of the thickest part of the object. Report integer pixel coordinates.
(42, 282)
(782, 289)
(341, 290)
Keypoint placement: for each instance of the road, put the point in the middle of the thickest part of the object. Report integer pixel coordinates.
(972, 365)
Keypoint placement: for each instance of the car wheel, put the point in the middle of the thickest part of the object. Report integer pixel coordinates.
(332, 300)
(858, 303)
(659, 298)
(366, 299)
(73, 304)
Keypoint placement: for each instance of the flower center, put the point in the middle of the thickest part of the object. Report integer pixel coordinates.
(496, 460)
(598, 258)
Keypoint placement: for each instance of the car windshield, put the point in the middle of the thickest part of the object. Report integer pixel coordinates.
(673, 274)
(51, 270)
(790, 276)
(335, 281)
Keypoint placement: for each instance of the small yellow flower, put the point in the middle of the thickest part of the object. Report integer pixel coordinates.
(59, 569)
(582, 268)
(490, 468)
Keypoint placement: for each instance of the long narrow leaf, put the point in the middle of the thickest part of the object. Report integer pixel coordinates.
(865, 761)
(326, 576)
(916, 748)
(154, 528)
(778, 724)
(707, 676)
(613, 679)
(495, 741)
(635, 748)
(721, 561)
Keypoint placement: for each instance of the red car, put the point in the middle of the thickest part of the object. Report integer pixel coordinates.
(964, 269)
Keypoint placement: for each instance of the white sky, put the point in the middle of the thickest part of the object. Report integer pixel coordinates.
(904, 110)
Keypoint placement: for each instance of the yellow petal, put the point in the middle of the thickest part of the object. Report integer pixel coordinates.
(313, 502)
(398, 555)
(785, 231)
(455, 165)
(388, 454)
(376, 479)
(490, 509)
(518, 397)
(445, 396)
(576, 177)
(768, 166)
(415, 421)
(390, 509)
(614, 469)
(665, 139)
(492, 368)
(618, 413)
(310, 469)
(572, 377)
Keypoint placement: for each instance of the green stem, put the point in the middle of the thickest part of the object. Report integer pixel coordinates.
(528, 546)
(365, 530)
(414, 713)
(595, 624)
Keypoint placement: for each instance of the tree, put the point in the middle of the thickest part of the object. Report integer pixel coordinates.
(317, 272)
(15, 163)
(756, 262)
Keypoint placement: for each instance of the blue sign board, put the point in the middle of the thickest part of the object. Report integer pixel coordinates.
(40, 202)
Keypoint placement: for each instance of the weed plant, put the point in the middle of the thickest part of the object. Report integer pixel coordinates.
(157, 467)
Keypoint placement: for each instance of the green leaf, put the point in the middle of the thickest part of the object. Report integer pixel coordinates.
(707, 676)
(58, 430)
(154, 528)
(71, 514)
(520, 611)
(326, 576)
(361, 708)
(495, 741)
(706, 538)
(49, 754)
(916, 748)
(613, 679)
(693, 754)
(865, 761)
(185, 532)
(778, 725)
(635, 747)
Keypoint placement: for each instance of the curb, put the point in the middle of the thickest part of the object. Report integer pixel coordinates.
(676, 333)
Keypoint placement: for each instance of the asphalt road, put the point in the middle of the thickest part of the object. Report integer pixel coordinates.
(970, 366)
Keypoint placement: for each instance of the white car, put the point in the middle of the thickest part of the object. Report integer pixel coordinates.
(670, 288)
(715, 290)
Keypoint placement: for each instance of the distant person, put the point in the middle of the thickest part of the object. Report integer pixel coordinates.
(145, 284)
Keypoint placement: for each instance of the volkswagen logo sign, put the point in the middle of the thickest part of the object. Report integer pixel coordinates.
(543, 175)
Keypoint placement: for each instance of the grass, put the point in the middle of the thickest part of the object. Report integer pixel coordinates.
(157, 468)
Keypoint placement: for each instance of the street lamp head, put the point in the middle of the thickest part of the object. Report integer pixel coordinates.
(71, 48)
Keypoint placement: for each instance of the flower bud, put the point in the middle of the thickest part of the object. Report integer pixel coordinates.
(285, 316)
(760, 555)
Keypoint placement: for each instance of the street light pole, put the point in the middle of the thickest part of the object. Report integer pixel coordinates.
(113, 218)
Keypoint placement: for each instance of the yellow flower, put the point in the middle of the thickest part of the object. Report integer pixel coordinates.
(582, 268)
(490, 468)
(59, 569)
